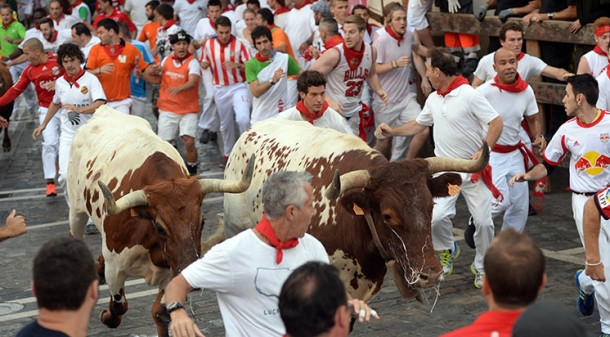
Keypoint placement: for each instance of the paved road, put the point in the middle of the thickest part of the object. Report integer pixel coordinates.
(457, 301)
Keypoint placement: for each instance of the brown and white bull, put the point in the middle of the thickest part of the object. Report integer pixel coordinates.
(386, 208)
(138, 192)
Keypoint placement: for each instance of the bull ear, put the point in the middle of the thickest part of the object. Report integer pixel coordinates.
(356, 203)
(439, 186)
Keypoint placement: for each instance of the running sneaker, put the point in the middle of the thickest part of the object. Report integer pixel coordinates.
(478, 277)
(585, 303)
(51, 191)
(447, 257)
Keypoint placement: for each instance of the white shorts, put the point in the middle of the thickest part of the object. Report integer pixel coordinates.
(416, 13)
(123, 105)
(170, 122)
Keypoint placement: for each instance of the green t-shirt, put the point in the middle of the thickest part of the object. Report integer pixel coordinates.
(254, 66)
(14, 31)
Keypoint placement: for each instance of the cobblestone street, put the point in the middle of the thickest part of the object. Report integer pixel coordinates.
(456, 304)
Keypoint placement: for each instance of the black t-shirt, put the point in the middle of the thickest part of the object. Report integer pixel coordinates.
(505, 4)
(36, 330)
(551, 6)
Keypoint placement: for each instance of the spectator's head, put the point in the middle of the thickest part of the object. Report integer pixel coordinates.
(65, 275)
(80, 34)
(601, 28)
(313, 302)
(250, 18)
(440, 64)
(353, 31)
(105, 6)
(70, 58)
(321, 10)
(107, 31)
(55, 9)
(582, 91)
(180, 43)
(254, 5)
(6, 13)
(288, 196)
(150, 9)
(263, 41)
(223, 29)
(264, 17)
(165, 11)
(328, 28)
(362, 12)
(34, 51)
(514, 271)
(312, 87)
(548, 319)
(47, 28)
(396, 17)
(511, 36)
(339, 10)
(214, 9)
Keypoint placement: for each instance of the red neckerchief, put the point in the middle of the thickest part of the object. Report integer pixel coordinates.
(520, 56)
(118, 48)
(56, 22)
(169, 23)
(367, 122)
(393, 34)
(54, 38)
(228, 8)
(486, 175)
(333, 41)
(281, 10)
(272, 27)
(353, 57)
(518, 86)
(191, 1)
(77, 3)
(261, 58)
(597, 50)
(457, 82)
(311, 115)
(5, 24)
(308, 2)
(180, 59)
(72, 79)
(264, 227)
(212, 24)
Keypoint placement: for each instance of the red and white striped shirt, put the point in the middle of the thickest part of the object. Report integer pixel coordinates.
(216, 54)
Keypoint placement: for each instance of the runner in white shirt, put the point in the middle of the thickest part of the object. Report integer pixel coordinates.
(397, 49)
(585, 137)
(300, 25)
(347, 66)
(77, 95)
(510, 156)
(81, 36)
(137, 12)
(209, 120)
(312, 107)
(596, 61)
(189, 13)
(61, 20)
(511, 36)
(462, 120)
(266, 74)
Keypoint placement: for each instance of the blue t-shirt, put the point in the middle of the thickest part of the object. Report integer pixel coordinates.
(139, 89)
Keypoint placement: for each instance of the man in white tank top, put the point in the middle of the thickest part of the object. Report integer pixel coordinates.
(347, 66)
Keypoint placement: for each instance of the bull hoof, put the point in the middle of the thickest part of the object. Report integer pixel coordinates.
(109, 320)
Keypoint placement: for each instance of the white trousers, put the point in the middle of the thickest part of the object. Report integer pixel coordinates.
(50, 143)
(478, 199)
(29, 95)
(395, 114)
(233, 106)
(208, 119)
(601, 289)
(515, 202)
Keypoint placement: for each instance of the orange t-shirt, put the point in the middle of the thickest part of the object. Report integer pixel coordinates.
(116, 85)
(280, 38)
(185, 101)
(149, 33)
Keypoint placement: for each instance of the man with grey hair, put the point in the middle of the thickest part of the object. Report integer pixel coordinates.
(247, 271)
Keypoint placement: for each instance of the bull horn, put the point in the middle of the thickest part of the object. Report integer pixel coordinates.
(347, 181)
(132, 199)
(439, 164)
(221, 185)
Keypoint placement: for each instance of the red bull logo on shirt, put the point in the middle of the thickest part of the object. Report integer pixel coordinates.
(604, 137)
(592, 163)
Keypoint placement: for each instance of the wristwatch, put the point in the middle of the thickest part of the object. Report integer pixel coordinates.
(550, 15)
(174, 306)
(271, 82)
